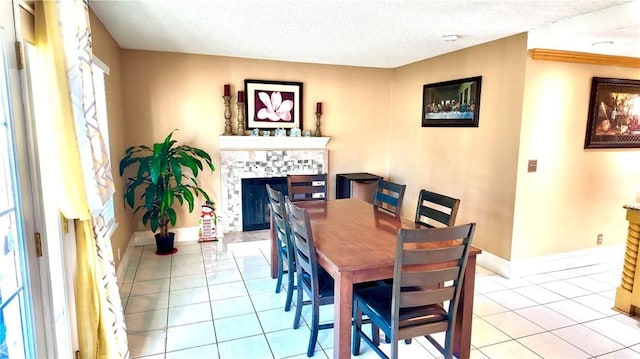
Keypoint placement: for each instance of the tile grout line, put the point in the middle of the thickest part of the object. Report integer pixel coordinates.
(206, 281)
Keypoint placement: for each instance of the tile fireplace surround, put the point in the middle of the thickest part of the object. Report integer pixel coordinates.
(259, 157)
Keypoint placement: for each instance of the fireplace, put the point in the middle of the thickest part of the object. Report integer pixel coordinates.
(255, 201)
(243, 157)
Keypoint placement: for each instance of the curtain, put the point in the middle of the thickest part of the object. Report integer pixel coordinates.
(63, 40)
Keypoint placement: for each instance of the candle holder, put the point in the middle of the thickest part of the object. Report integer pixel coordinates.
(240, 131)
(228, 130)
(318, 133)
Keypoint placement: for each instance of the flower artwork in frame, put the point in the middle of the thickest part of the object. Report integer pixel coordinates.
(614, 114)
(453, 103)
(273, 104)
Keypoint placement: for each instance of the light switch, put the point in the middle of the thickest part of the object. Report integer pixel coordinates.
(533, 166)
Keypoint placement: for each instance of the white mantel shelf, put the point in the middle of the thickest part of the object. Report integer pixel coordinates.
(272, 142)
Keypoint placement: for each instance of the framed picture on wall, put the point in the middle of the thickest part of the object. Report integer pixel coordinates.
(614, 114)
(273, 104)
(453, 103)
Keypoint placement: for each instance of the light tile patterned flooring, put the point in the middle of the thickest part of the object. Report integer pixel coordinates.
(217, 300)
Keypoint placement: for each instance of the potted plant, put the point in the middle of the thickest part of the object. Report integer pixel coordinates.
(164, 174)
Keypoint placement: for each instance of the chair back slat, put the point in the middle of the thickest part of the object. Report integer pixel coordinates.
(307, 187)
(426, 297)
(389, 196)
(436, 210)
(387, 199)
(428, 278)
(435, 255)
(444, 235)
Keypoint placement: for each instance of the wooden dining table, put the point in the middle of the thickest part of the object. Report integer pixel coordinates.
(355, 243)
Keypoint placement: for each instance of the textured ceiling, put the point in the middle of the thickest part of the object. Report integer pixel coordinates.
(372, 33)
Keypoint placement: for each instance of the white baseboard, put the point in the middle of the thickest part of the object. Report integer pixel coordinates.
(124, 261)
(494, 263)
(551, 262)
(142, 238)
(498, 265)
(182, 234)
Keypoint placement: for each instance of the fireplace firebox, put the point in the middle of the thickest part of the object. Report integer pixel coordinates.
(255, 201)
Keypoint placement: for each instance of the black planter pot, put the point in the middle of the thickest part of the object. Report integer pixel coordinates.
(164, 245)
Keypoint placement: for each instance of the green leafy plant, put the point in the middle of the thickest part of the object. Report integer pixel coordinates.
(165, 173)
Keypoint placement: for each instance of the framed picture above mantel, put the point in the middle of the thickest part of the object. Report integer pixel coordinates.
(614, 114)
(273, 104)
(453, 103)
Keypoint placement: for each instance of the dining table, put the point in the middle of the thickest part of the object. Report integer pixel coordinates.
(355, 243)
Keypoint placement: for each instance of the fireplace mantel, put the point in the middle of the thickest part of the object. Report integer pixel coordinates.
(272, 142)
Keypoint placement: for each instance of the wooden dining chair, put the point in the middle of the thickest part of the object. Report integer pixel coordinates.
(312, 279)
(388, 197)
(311, 187)
(436, 210)
(413, 305)
(286, 256)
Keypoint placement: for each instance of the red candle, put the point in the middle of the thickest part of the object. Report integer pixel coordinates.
(227, 90)
(240, 96)
(319, 107)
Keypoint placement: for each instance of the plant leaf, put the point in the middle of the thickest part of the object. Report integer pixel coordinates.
(172, 216)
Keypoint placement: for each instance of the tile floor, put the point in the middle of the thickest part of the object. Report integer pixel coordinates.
(217, 300)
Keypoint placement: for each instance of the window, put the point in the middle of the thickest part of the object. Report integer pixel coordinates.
(106, 223)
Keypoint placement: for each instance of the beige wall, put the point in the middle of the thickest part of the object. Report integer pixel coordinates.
(163, 91)
(576, 193)
(529, 110)
(477, 165)
(107, 50)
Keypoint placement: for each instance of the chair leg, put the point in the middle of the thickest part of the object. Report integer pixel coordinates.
(448, 341)
(290, 288)
(357, 326)
(394, 350)
(280, 270)
(296, 319)
(375, 334)
(315, 323)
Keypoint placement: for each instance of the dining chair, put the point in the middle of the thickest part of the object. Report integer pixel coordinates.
(311, 187)
(436, 210)
(389, 196)
(286, 254)
(413, 305)
(312, 279)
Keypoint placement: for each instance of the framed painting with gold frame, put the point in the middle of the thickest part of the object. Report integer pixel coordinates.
(614, 114)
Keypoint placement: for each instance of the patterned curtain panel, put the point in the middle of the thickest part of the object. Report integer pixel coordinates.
(76, 35)
(63, 37)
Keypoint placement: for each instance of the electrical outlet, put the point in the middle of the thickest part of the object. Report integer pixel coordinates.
(599, 240)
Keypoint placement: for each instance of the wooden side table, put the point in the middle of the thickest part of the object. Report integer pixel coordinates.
(628, 293)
